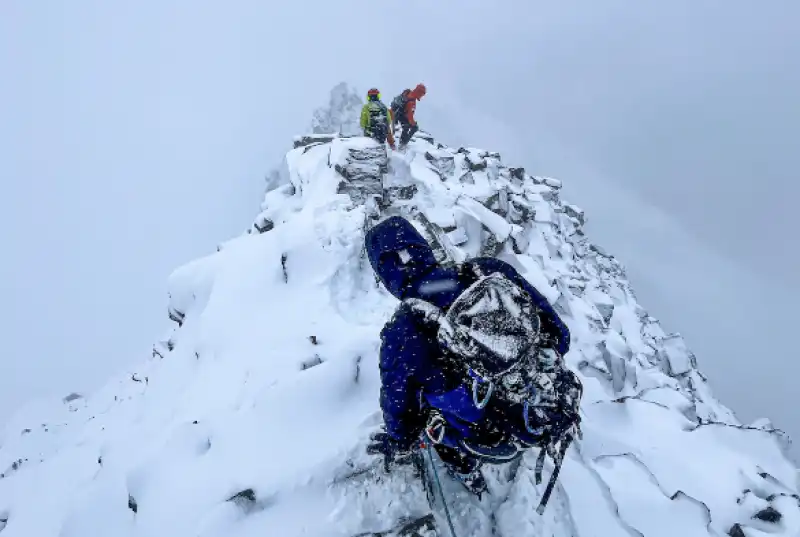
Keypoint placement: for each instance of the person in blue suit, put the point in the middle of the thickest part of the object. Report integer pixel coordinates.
(414, 381)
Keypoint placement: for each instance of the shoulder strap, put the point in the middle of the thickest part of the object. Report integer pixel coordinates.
(471, 270)
(426, 310)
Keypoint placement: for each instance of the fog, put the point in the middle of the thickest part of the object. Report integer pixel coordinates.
(135, 137)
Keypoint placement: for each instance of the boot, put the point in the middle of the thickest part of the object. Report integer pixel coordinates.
(473, 481)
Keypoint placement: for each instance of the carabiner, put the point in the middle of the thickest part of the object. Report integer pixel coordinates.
(435, 429)
(477, 380)
(526, 418)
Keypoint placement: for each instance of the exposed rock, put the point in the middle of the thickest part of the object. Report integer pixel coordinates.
(362, 169)
(263, 224)
(492, 246)
(176, 316)
(575, 212)
(444, 165)
(769, 514)
(311, 362)
(15, 465)
(431, 232)
(606, 311)
(475, 164)
(284, 259)
(467, 178)
(302, 141)
(736, 531)
(402, 192)
(243, 497)
(428, 137)
(675, 356)
(248, 501)
(549, 181)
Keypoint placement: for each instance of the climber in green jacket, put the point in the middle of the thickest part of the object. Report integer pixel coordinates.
(376, 119)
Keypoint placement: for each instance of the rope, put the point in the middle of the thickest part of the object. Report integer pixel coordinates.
(439, 488)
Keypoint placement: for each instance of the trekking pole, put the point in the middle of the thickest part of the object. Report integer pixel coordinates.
(439, 488)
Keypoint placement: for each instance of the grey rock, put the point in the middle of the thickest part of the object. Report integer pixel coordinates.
(443, 165)
(769, 514)
(262, 224)
(575, 212)
(475, 164)
(303, 141)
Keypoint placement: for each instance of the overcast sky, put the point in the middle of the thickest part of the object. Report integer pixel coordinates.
(134, 136)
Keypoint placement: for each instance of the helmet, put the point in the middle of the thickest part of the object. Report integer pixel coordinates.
(420, 89)
(373, 94)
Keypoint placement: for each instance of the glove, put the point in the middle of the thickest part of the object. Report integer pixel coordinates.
(391, 450)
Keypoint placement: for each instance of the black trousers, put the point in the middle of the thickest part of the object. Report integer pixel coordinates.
(408, 132)
(379, 133)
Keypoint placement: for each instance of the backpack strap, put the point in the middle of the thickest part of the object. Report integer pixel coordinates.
(429, 313)
(558, 459)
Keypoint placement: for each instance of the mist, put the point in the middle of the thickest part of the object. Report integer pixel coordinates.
(135, 136)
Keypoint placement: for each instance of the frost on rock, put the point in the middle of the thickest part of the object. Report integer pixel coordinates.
(243, 424)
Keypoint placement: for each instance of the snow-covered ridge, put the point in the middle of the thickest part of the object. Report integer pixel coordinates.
(251, 418)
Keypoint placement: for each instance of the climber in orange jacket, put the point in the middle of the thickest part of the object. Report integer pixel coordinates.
(403, 108)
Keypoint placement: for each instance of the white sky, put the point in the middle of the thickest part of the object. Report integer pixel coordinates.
(135, 135)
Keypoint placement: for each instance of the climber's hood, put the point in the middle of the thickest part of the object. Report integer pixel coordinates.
(399, 255)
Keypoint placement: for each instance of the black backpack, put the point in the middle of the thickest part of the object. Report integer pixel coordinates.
(492, 330)
(398, 105)
(491, 337)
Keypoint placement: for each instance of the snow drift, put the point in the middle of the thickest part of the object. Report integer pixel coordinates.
(251, 417)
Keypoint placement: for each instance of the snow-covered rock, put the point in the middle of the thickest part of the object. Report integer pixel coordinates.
(252, 417)
(342, 113)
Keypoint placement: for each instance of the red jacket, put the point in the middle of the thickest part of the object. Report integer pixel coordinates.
(411, 106)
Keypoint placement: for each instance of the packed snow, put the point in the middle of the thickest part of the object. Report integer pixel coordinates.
(252, 416)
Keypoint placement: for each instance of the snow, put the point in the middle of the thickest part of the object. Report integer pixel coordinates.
(255, 421)
(493, 221)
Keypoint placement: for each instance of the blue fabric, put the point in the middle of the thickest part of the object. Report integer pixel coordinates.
(410, 375)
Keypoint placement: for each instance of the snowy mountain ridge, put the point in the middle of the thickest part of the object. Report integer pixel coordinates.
(251, 417)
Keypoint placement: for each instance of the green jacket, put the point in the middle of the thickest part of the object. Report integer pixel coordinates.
(374, 106)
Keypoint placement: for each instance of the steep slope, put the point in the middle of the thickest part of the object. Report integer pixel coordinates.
(252, 416)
